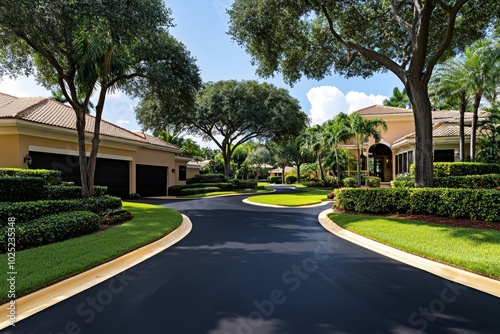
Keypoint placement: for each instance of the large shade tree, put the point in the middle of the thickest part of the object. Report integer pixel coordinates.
(357, 38)
(231, 113)
(90, 48)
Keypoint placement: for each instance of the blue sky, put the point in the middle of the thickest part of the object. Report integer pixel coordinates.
(202, 26)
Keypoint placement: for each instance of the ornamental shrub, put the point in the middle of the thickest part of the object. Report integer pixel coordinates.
(50, 229)
(51, 177)
(372, 181)
(275, 179)
(331, 182)
(195, 191)
(22, 189)
(290, 179)
(444, 169)
(455, 203)
(27, 211)
(241, 184)
(350, 182)
(207, 178)
(72, 192)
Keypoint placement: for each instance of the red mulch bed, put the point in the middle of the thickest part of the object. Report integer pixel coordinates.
(457, 222)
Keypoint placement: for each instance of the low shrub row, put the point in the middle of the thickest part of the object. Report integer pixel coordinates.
(350, 182)
(52, 177)
(195, 191)
(21, 189)
(207, 178)
(455, 203)
(275, 179)
(488, 181)
(221, 186)
(290, 179)
(50, 229)
(72, 192)
(28, 211)
(242, 184)
(372, 181)
(444, 169)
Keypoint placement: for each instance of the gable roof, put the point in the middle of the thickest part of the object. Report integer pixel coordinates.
(378, 110)
(50, 112)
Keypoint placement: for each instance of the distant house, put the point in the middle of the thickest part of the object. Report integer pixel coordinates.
(279, 171)
(395, 153)
(44, 130)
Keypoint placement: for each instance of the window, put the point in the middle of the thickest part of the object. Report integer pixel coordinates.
(444, 155)
(405, 162)
(410, 158)
(182, 173)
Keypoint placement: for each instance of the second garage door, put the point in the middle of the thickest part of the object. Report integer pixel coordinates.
(151, 180)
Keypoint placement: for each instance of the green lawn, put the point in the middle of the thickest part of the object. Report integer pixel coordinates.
(234, 192)
(306, 196)
(45, 265)
(475, 250)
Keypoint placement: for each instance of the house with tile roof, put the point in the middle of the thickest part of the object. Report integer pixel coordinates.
(395, 152)
(45, 131)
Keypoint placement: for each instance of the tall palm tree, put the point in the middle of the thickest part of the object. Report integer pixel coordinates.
(334, 133)
(361, 130)
(447, 86)
(313, 141)
(483, 75)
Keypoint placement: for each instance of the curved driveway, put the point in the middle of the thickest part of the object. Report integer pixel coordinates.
(247, 269)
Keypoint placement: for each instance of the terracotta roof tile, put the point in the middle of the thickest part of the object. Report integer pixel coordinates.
(438, 114)
(49, 112)
(441, 130)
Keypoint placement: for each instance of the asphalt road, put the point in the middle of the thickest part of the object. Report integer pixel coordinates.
(245, 269)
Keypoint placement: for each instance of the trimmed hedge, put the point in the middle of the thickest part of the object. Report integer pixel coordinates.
(72, 192)
(52, 177)
(488, 181)
(350, 182)
(27, 211)
(207, 178)
(195, 191)
(372, 181)
(455, 203)
(22, 189)
(290, 179)
(50, 229)
(332, 182)
(444, 169)
(275, 179)
(242, 184)
(176, 190)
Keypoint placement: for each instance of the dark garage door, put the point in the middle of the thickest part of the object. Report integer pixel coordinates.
(111, 173)
(151, 180)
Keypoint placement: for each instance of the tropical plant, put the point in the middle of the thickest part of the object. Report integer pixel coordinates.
(398, 99)
(358, 38)
(334, 133)
(361, 130)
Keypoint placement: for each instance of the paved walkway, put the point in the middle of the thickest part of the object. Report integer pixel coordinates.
(247, 269)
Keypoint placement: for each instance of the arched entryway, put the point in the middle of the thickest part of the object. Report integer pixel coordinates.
(380, 162)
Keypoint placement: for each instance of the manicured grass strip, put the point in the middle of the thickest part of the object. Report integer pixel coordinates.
(263, 184)
(306, 196)
(43, 266)
(217, 193)
(475, 250)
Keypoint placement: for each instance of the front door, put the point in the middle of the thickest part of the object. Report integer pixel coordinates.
(379, 167)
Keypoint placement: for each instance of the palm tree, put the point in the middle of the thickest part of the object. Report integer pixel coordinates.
(335, 133)
(447, 86)
(361, 130)
(171, 135)
(313, 141)
(483, 75)
(398, 99)
(57, 95)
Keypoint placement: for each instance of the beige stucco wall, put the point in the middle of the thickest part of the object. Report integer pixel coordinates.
(10, 152)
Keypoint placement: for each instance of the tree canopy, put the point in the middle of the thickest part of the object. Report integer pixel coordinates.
(357, 38)
(231, 113)
(87, 48)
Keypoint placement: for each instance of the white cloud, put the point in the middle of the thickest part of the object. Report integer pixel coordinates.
(329, 101)
(22, 87)
(122, 122)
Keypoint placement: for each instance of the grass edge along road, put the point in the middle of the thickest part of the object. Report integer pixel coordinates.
(474, 250)
(304, 196)
(42, 266)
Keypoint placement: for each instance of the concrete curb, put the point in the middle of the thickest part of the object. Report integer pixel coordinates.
(37, 301)
(475, 281)
(246, 201)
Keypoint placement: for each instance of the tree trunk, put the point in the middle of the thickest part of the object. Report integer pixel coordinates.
(283, 174)
(477, 101)
(82, 152)
(358, 167)
(298, 172)
(422, 113)
(337, 163)
(320, 163)
(462, 130)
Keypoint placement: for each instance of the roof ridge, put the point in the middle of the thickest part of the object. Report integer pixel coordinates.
(31, 108)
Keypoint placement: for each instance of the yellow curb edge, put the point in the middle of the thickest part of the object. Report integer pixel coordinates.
(39, 300)
(475, 281)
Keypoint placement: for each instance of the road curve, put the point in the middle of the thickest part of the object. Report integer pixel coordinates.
(252, 270)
